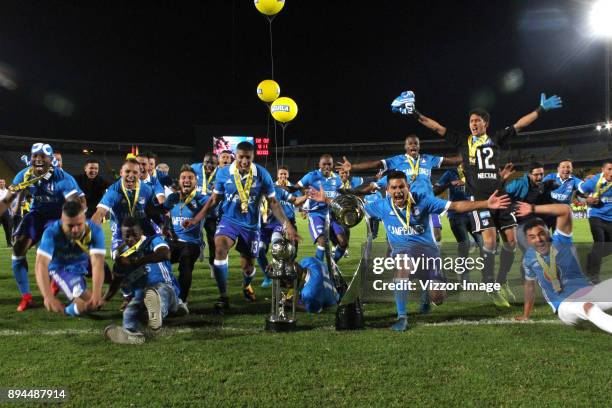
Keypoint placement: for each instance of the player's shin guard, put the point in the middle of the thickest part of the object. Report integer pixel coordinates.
(600, 318)
(220, 269)
(338, 254)
(401, 298)
(506, 259)
(488, 272)
(320, 254)
(248, 277)
(20, 271)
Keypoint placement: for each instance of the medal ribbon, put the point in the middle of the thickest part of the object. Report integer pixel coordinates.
(243, 191)
(134, 248)
(405, 224)
(131, 206)
(550, 271)
(205, 182)
(85, 240)
(414, 167)
(598, 190)
(27, 181)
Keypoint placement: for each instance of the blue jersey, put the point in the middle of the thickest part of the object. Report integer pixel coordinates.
(154, 184)
(330, 184)
(563, 194)
(568, 270)
(198, 168)
(353, 182)
(455, 193)
(65, 253)
(403, 162)
(420, 230)
(283, 198)
(602, 210)
(48, 196)
(318, 291)
(179, 212)
(115, 202)
(231, 210)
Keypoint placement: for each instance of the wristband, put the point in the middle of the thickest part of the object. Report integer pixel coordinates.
(533, 210)
(540, 111)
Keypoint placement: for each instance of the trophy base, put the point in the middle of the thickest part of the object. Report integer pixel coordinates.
(280, 325)
(350, 317)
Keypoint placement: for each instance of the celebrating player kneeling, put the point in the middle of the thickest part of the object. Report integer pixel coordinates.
(406, 213)
(65, 251)
(552, 261)
(243, 184)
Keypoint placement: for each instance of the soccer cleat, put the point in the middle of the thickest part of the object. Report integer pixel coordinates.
(401, 324)
(249, 293)
(507, 292)
(54, 288)
(119, 335)
(267, 282)
(221, 304)
(152, 302)
(498, 299)
(26, 302)
(182, 309)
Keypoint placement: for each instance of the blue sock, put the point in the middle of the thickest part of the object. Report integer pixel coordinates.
(247, 278)
(262, 260)
(20, 271)
(71, 310)
(339, 253)
(401, 298)
(220, 269)
(320, 254)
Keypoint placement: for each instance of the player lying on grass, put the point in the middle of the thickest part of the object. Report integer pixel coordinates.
(552, 262)
(406, 213)
(144, 267)
(66, 249)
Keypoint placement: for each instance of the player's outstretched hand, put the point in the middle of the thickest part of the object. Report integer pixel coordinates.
(554, 102)
(317, 195)
(523, 209)
(496, 202)
(188, 223)
(53, 304)
(404, 104)
(344, 165)
(95, 302)
(292, 233)
(507, 171)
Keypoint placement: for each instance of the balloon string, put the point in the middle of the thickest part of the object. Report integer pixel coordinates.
(284, 125)
(267, 131)
(275, 147)
(271, 48)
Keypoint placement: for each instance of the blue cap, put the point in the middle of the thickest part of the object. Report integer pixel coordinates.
(42, 148)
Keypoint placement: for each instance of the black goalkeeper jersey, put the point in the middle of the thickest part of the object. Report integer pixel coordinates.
(482, 168)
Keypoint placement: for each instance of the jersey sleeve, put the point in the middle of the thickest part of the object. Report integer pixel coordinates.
(306, 180)
(268, 184)
(445, 180)
(436, 162)
(19, 177)
(455, 138)
(158, 242)
(562, 238)
(382, 183)
(97, 245)
(170, 201)
(550, 176)
(158, 189)
(391, 163)
(46, 247)
(220, 180)
(374, 209)
(501, 136)
(434, 205)
(529, 272)
(202, 199)
(109, 200)
(69, 186)
(588, 186)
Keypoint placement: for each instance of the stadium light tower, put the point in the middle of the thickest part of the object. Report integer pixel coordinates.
(600, 20)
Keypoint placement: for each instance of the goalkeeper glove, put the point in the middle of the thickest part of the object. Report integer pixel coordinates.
(554, 102)
(404, 104)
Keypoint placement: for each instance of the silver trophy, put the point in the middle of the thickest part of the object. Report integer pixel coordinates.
(347, 210)
(284, 280)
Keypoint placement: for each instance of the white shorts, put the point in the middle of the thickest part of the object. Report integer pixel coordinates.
(571, 311)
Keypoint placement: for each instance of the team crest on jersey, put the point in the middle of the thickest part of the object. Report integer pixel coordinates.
(485, 222)
(417, 212)
(141, 200)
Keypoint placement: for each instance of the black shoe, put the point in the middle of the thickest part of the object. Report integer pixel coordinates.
(221, 305)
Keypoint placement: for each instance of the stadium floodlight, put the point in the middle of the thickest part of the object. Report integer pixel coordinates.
(600, 18)
(608, 126)
(598, 127)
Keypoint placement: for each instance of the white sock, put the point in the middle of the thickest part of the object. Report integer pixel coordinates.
(600, 318)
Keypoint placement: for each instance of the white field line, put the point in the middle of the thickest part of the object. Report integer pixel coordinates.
(187, 330)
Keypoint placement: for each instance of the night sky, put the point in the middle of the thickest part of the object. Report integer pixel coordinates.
(152, 71)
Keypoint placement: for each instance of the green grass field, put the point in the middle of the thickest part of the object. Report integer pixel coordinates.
(462, 354)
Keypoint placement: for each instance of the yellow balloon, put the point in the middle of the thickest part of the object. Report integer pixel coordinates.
(284, 109)
(268, 90)
(269, 7)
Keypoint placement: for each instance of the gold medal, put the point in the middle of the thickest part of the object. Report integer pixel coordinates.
(244, 191)
(244, 207)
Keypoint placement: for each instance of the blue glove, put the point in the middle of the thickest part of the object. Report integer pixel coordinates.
(554, 102)
(404, 103)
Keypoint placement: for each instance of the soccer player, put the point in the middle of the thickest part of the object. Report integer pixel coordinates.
(454, 181)
(148, 179)
(226, 157)
(481, 163)
(128, 196)
(144, 266)
(553, 263)
(206, 173)
(567, 182)
(600, 217)
(58, 162)
(49, 188)
(67, 248)
(324, 178)
(242, 184)
(406, 215)
(186, 242)
(348, 181)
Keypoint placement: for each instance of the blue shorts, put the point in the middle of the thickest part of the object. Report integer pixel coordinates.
(435, 221)
(33, 225)
(316, 226)
(267, 230)
(247, 241)
(70, 279)
(429, 266)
